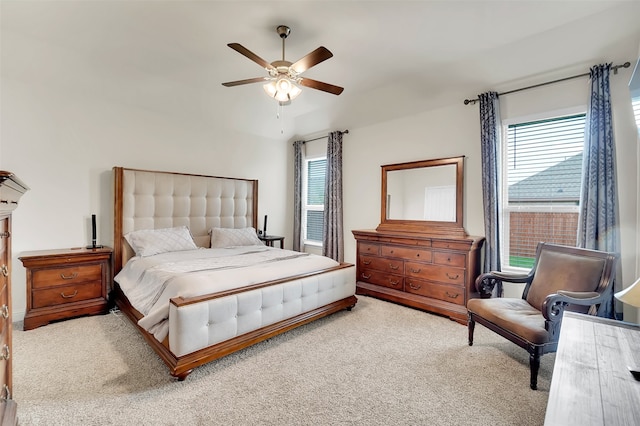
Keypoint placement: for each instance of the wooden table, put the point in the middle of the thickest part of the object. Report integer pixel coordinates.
(269, 239)
(591, 383)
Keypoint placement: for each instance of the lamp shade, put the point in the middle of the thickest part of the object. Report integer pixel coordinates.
(282, 89)
(630, 295)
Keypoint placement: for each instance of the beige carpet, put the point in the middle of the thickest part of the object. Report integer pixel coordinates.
(380, 364)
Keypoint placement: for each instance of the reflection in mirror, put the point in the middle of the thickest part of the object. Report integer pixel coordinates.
(422, 194)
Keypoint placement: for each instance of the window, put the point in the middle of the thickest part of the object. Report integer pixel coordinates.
(635, 103)
(313, 194)
(542, 177)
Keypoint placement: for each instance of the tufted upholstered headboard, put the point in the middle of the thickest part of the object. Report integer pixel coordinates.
(146, 199)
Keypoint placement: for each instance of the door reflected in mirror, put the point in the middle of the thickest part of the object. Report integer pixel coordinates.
(422, 194)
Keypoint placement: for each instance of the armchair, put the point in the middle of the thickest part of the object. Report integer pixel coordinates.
(562, 278)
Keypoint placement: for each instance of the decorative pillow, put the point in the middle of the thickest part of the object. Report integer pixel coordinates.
(147, 242)
(229, 237)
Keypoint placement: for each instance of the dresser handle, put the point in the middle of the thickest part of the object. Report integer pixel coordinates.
(394, 283)
(395, 268)
(4, 270)
(69, 277)
(69, 296)
(416, 271)
(4, 311)
(415, 287)
(7, 393)
(5, 234)
(365, 276)
(453, 277)
(6, 353)
(366, 262)
(452, 296)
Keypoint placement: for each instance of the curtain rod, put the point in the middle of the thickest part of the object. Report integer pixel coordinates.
(614, 68)
(322, 137)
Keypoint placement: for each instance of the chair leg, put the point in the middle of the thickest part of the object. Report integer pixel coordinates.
(534, 364)
(471, 325)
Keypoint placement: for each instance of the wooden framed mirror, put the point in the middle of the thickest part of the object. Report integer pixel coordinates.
(423, 196)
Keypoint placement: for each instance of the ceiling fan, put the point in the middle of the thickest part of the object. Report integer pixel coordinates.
(284, 76)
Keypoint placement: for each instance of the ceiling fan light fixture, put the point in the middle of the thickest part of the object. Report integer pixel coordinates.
(282, 89)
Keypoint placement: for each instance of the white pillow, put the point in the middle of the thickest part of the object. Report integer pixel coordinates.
(229, 237)
(147, 242)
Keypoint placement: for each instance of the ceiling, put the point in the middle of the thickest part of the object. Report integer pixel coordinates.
(394, 58)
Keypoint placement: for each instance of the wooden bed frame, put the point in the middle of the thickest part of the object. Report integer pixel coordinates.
(181, 366)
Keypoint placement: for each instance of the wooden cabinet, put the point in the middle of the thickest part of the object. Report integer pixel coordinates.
(11, 189)
(66, 283)
(433, 273)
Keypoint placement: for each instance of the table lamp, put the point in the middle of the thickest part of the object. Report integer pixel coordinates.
(631, 296)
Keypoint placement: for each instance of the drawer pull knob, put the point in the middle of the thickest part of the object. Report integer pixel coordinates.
(415, 287)
(365, 276)
(416, 271)
(69, 277)
(6, 392)
(395, 268)
(69, 296)
(4, 311)
(5, 354)
(4, 270)
(366, 262)
(453, 277)
(452, 296)
(394, 282)
(418, 255)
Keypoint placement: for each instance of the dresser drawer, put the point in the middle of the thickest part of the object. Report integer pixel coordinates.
(5, 317)
(408, 253)
(448, 293)
(453, 245)
(66, 276)
(369, 248)
(381, 278)
(444, 274)
(451, 259)
(66, 294)
(381, 264)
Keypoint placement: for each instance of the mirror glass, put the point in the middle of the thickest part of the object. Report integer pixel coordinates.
(423, 196)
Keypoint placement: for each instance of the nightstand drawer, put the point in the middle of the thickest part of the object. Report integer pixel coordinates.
(66, 283)
(66, 276)
(66, 294)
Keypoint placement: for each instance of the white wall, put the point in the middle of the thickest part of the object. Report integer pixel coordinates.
(64, 145)
(454, 130)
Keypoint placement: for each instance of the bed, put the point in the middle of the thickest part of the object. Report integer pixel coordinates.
(218, 291)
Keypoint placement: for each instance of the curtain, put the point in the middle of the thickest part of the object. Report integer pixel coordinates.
(598, 219)
(333, 239)
(298, 158)
(491, 181)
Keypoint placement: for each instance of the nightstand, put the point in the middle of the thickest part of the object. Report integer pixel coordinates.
(269, 239)
(66, 283)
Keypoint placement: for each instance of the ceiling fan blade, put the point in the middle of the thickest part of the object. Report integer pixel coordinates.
(247, 81)
(314, 58)
(325, 87)
(249, 54)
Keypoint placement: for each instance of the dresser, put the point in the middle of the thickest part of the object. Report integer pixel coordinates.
(432, 273)
(11, 190)
(66, 283)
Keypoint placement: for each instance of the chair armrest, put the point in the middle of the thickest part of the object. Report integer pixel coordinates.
(487, 281)
(554, 305)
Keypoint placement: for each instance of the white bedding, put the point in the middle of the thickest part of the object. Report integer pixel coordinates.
(150, 282)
